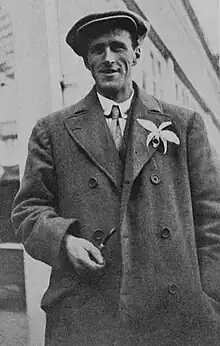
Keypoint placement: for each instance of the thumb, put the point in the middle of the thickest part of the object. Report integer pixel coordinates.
(94, 252)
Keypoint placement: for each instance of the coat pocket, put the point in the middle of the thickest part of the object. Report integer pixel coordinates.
(58, 296)
(86, 319)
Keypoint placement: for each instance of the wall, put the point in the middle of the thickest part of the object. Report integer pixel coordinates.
(32, 76)
(175, 29)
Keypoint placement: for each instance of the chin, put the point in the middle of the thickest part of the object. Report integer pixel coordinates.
(109, 86)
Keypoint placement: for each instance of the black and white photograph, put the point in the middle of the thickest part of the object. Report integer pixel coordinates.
(109, 173)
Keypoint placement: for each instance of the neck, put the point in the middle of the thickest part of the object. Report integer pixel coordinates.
(116, 95)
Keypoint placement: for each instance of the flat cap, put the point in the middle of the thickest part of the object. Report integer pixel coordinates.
(85, 28)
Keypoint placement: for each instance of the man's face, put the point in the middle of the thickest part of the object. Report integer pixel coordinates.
(110, 59)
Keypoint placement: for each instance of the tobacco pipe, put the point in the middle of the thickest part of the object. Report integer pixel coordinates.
(106, 239)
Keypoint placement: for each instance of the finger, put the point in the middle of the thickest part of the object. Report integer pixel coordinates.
(82, 261)
(92, 265)
(76, 261)
(94, 252)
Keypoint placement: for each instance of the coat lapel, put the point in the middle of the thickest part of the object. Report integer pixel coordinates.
(88, 128)
(138, 153)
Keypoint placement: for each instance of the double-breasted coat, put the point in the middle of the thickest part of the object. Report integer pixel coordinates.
(161, 283)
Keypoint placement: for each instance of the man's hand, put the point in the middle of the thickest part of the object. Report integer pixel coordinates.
(83, 254)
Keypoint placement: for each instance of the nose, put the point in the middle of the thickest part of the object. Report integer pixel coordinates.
(109, 55)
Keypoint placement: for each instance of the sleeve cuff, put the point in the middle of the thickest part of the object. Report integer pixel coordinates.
(46, 244)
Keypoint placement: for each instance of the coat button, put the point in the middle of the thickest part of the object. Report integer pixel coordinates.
(155, 179)
(165, 233)
(98, 235)
(93, 182)
(173, 289)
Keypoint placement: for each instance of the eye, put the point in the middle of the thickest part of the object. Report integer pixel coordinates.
(96, 49)
(116, 47)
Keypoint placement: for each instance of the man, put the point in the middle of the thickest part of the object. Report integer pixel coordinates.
(121, 197)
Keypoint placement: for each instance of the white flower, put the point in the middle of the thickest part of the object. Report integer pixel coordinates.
(157, 134)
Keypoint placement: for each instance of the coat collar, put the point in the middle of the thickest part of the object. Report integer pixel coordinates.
(87, 126)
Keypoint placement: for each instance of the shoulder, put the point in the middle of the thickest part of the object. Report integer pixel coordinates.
(184, 117)
(179, 114)
(185, 120)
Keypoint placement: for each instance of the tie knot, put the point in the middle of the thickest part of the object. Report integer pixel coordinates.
(115, 112)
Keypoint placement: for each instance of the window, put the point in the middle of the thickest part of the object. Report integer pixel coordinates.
(177, 91)
(144, 81)
(152, 64)
(159, 68)
(183, 97)
(154, 89)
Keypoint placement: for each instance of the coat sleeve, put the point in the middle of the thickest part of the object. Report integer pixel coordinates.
(35, 214)
(205, 188)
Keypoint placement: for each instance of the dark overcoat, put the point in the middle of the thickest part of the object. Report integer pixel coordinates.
(161, 283)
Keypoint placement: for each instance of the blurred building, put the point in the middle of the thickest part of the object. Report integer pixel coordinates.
(6, 42)
(13, 319)
(177, 66)
(9, 162)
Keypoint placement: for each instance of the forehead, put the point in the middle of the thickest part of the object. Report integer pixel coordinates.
(111, 35)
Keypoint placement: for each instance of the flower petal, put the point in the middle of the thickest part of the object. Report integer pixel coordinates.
(170, 136)
(148, 125)
(164, 144)
(149, 138)
(164, 124)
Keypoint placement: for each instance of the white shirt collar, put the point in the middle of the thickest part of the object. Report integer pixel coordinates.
(107, 104)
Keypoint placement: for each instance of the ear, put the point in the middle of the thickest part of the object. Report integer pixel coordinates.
(137, 54)
(85, 60)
